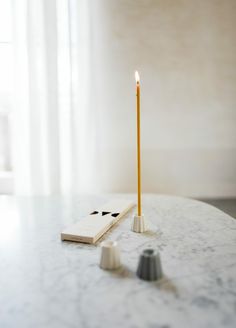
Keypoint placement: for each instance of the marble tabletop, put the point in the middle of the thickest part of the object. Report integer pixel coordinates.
(47, 283)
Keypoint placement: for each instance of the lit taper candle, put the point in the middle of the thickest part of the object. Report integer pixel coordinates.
(138, 224)
(138, 142)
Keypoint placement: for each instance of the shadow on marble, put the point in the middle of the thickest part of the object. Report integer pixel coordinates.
(152, 233)
(123, 272)
(166, 285)
(75, 244)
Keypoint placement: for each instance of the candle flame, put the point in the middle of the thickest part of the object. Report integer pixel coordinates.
(137, 77)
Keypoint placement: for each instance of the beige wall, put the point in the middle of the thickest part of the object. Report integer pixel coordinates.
(185, 51)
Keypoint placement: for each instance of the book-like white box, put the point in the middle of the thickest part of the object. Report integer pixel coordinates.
(92, 227)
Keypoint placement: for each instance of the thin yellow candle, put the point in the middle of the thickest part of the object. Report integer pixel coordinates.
(138, 142)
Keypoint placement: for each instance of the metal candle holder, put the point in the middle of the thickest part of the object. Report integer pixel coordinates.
(149, 266)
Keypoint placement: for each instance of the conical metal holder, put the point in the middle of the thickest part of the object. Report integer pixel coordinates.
(139, 224)
(149, 266)
(110, 255)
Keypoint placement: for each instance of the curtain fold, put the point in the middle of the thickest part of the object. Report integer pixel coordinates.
(53, 134)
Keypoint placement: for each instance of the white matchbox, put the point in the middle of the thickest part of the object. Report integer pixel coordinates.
(90, 228)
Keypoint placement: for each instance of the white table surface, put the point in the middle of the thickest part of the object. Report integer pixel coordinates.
(48, 283)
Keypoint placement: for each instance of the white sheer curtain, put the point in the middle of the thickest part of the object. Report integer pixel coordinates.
(53, 130)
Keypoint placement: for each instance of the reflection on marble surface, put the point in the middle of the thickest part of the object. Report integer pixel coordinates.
(48, 283)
